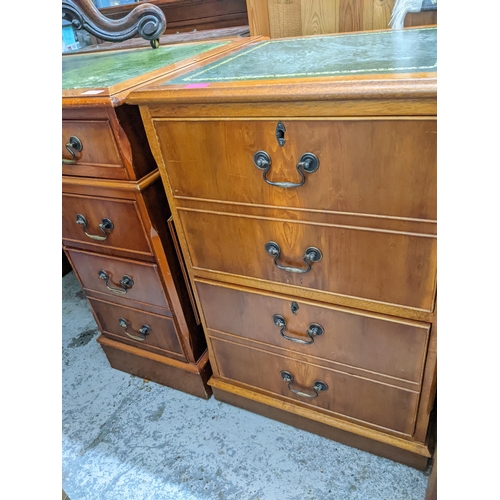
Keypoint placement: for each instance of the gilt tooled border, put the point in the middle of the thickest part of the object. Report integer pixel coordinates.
(195, 77)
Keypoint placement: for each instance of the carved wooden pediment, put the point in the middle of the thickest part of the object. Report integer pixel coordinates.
(145, 20)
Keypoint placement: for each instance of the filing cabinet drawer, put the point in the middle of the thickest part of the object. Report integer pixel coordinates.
(103, 222)
(372, 342)
(382, 266)
(136, 327)
(366, 166)
(122, 278)
(361, 399)
(94, 153)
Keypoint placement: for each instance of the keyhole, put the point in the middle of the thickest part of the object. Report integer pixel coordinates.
(294, 307)
(280, 133)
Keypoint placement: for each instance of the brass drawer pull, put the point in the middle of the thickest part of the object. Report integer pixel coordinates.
(308, 164)
(73, 145)
(144, 330)
(105, 225)
(313, 330)
(311, 255)
(126, 282)
(317, 387)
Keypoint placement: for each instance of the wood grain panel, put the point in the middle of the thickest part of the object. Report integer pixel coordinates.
(376, 343)
(147, 287)
(421, 18)
(361, 399)
(284, 18)
(392, 268)
(384, 223)
(162, 335)
(127, 233)
(382, 11)
(371, 108)
(312, 17)
(319, 16)
(99, 148)
(352, 16)
(393, 173)
(258, 17)
(186, 377)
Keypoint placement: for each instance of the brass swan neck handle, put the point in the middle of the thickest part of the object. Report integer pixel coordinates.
(145, 20)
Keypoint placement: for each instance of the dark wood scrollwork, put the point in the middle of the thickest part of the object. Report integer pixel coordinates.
(146, 20)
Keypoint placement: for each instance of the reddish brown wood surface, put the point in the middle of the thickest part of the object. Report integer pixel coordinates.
(403, 87)
(99, 147)
(425, 227)
(180, 257)
(138, 208)
(146, 288)
(372, 342)
(381, 405)
(127, 233)
(113, 139)
(107, 187)
(162, 336)
(352, 179)
(394, 268)
(188, 15)
(186, 377)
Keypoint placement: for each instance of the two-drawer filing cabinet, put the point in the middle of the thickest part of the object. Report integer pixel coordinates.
(117, 229)
(301, 174)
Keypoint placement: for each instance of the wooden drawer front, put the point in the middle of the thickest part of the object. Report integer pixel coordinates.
(99, 156)
(372, 342)
(384, 167)
(350, 396)
(394, 268)
(146, 288)
(162, 330)
(127, 233)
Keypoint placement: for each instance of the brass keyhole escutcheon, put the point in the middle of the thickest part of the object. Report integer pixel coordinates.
(280, 133)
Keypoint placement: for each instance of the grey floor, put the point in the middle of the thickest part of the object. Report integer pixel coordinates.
(124, 438)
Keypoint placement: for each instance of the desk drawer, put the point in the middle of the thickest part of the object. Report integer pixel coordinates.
(103, 222)
(356, 398)
(372, 342)
(99, 155)
(158, 332)
(121, 278)
(384, 167)
(389, 267)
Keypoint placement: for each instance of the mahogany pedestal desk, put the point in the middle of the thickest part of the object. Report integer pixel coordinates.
(301, 174)
(116, 226)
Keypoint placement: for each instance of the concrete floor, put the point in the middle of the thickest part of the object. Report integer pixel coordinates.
(127, 439)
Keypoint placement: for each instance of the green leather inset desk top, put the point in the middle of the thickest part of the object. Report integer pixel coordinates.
(391, 51)
(109, 68)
